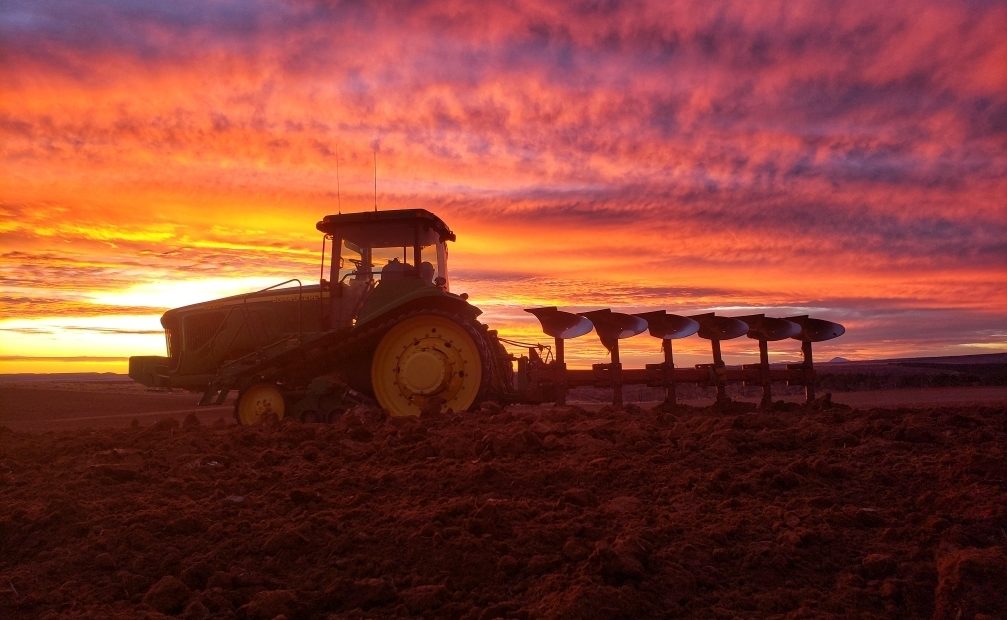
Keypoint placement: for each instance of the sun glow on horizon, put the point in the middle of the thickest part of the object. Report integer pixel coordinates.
(178, 293)
(80, 337)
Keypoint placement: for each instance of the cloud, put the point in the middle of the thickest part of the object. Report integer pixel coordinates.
(113, 330)
(27, 330)
(93, 330)
(650, 151)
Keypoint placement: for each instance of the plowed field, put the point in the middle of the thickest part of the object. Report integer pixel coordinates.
(525, 512)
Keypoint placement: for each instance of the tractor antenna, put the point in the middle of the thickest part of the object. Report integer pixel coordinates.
(339, 200)
(375, 178)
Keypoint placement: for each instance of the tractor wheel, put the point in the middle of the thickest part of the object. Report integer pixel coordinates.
(429, 360)
(258, 401)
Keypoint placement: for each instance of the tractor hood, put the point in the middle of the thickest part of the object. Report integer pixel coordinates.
(311, 292)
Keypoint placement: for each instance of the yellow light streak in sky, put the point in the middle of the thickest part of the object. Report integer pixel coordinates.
(182, 293)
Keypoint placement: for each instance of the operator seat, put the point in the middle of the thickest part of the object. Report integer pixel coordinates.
(427, 272)
(396, 270)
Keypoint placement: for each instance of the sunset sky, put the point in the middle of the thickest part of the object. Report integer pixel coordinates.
(843, 159)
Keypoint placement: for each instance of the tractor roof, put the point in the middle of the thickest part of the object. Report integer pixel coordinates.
(332, 223)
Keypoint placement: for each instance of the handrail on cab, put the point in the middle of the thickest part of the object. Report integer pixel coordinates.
(300, 299)
(244, 300)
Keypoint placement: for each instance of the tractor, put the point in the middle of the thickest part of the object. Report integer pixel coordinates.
(383, 325)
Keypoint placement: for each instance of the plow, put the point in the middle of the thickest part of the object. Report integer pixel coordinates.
(612, 327)
(383, 325)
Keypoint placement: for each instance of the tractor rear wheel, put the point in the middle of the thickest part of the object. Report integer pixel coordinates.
(429, 360)
(258, 401)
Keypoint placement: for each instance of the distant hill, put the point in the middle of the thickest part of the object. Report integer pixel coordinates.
(986, 358)
(947, 360)
(948, 371)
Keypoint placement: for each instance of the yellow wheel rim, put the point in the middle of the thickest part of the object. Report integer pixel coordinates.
(423, 361)
(259, 400)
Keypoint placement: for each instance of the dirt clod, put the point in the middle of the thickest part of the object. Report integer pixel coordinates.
(971, 582)
(169, 595)
(269, 604)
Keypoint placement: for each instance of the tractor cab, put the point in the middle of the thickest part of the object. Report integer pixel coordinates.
(382, 259)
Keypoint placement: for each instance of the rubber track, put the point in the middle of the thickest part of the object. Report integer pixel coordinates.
(337, 350)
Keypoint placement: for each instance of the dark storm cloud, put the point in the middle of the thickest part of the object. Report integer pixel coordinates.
(150, 31)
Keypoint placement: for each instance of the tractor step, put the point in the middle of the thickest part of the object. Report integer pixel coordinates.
(214, 395)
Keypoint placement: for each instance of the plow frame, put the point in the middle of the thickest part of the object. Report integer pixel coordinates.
(543, 380)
